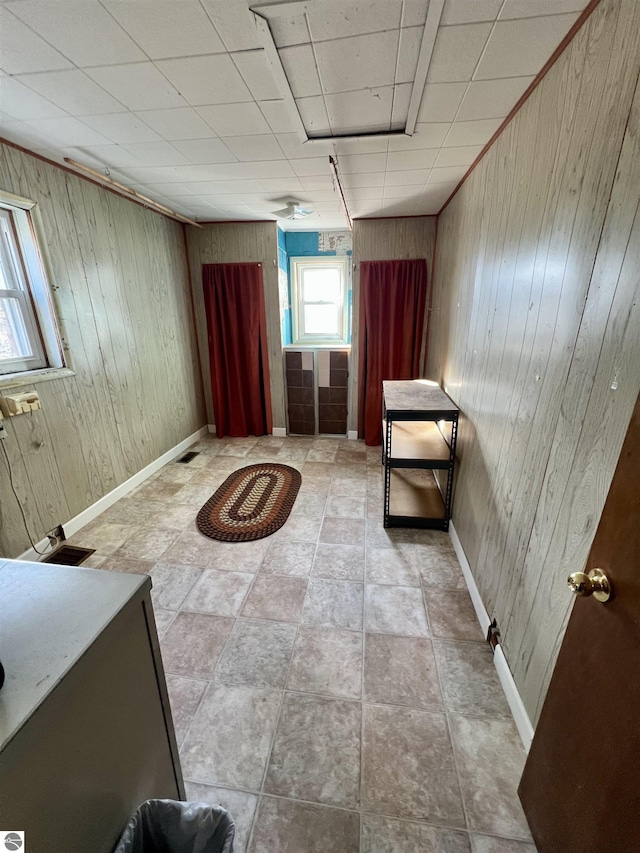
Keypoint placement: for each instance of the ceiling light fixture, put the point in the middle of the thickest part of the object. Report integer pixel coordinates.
(293, 210)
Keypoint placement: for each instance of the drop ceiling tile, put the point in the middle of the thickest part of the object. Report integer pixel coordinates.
(140, 86)
(353, 163)
(312, 166)
(296, 150)
(157, 154)
(370, 179)
(461, 156)
(353, 17)
(400, 109)
(164, 28)
(317, 182)
(109, 156)
(446, 174)
(407, 177)
(284, 185)
(23, 104)
(175, 191)
(263, 146)
(73, 91)
(235, 119)
(405, 192)
(414, 14)
(205, 151)
(349, 64)
(257, 74)
(211, 188)
(412, 159)
(206, 79)
(83, 31)
(363, 193)
(427, 135)
(264, 169)
(434, 196)
(314, 115)
(410, 41)
(177, 124)
(300, 68)
(289, 29)
(122, 128)
(472, 132)
(457, 51)
(364, 145)
(22, 50)
(318, 194)
(527, 9)
(279, 116)
(66, 131)
(471, 11)
(440, 101)
(519, 48)
(492, 98)
(356, 112)
(235, 24)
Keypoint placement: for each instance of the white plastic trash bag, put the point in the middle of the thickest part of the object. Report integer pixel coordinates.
(169, 826)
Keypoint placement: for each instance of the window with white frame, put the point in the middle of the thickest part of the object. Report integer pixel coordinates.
(319, 288)
(28, 333)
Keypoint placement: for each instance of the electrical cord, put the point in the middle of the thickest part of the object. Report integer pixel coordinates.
(13, 489)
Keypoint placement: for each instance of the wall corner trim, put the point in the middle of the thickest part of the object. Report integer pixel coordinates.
(516, 705)
(279, 432)
(90, 513)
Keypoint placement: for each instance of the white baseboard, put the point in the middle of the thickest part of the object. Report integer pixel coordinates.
(279, 432)
(79, 521)
(211, 428)
(352, 435)
(516, 705)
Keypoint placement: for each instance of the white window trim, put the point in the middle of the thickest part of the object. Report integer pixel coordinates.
(340, 261)
(27, 228)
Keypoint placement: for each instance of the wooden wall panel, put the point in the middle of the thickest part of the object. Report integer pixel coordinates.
(384, 240)
(240, 242)
(124, 306)
(535, 334)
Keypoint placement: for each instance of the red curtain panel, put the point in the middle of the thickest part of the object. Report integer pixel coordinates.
(392, 307)
(234, 302)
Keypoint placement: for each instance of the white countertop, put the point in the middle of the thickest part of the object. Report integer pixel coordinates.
(49, 615)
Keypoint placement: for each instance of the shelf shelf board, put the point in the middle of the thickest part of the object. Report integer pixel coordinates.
(415, 494)
(419, 440)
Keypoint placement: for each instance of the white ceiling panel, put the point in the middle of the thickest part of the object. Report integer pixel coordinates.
(73, 91)
(349, 164)
(288, 29)
(302, 73)
(446, 174)
(457, 51)
(82, 30)
(21, 103)
(282, 185)
(223, 187)
(317, 182)
(352, 17)
(471, 11)
(440, 101)
(366, 111)
(427, 135)
(257, 74)
(313, 113)
(463, 155)
(205, 80)
(180, 123)
(520, 48)
(472, 132)
(279, 116)
(66, 131)
(296, 150)
(492, 98)
(403, 191)
(407, 177)
(204, 151)
(434, 196)
(410, 41)
(109, 156)
(363, 193)
(363, 145)
(531, 8)
(122, 128)
(370, 179)
(22, 50)
(164, 28)
(312, 166)
(234, 23)
(414, 13)
(400, 108)
(138, 87)
(235, 119)
(412, 159)
(263, 146)
(348, 64)
(157, 154)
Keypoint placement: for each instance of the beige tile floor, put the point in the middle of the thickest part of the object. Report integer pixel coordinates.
(330, 685)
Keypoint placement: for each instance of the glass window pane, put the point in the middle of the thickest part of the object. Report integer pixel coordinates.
(320, 285)
(321, 320)
(14, 341)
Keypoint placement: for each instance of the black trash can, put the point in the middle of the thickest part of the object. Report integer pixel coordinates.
(169, 826)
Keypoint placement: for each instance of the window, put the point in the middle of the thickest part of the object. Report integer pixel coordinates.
(28, 333)
(319, 290)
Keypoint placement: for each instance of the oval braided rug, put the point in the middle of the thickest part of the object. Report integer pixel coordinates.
(252, 503)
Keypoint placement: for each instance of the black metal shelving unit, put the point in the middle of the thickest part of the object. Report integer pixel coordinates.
(419, 429)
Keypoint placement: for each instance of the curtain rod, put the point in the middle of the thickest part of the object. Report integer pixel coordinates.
(148, 202)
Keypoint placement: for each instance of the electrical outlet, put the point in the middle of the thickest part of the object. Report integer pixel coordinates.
(3, 431)
(56, 535)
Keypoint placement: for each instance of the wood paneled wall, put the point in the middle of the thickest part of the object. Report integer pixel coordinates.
(124, 305)
(240, 242)
(536, 334)
(384, 240)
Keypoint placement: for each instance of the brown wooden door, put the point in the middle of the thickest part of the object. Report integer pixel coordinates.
(581, 784)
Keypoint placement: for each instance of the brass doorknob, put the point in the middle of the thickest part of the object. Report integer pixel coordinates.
(596, 583)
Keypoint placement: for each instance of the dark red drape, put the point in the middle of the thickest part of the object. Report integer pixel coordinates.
(234, 303)
(392, 307)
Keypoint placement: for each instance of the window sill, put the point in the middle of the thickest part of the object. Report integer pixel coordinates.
(30, 377)
(336, 346)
